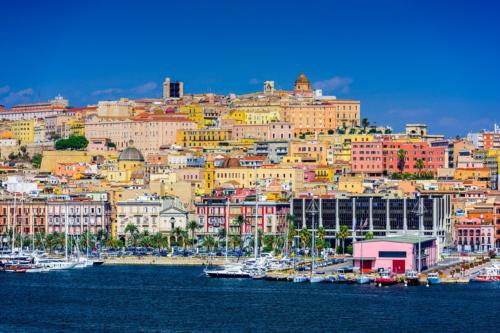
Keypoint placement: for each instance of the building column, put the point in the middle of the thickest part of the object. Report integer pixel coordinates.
(320, 213)
(434, 216)
(353, 219)
(405, 219)
(371, 214)
(337, 217)
(387, 217)
(303, 212)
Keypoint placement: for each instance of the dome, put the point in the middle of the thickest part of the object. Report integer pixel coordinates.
(302, 79)
(131, 154)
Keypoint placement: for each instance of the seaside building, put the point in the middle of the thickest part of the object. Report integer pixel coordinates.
(397, 254)
(151, 213)
(38, 110)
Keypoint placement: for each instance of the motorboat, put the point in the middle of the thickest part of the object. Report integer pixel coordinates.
(300, 279)
(316, 279)
(229, 271)
(433, 278)
(385, 279)
(363, 279)
(489, 273)
(56, 264)
(412, 278)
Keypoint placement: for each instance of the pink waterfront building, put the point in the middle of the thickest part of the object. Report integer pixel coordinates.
(397, 253)
(473, 234)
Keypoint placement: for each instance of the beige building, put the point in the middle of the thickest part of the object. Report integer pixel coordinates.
(291, 178)
(151, 213)
(122, 108)
(149, 132)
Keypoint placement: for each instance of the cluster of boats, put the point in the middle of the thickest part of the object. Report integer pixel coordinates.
(488, 274)
(253, 268)
(40, 262)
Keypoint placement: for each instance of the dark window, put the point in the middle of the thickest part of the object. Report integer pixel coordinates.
(392, 254)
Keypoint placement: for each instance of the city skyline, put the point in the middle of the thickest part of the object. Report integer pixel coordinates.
(405, 63)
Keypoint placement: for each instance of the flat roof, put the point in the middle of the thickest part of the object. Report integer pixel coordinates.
(410, 239)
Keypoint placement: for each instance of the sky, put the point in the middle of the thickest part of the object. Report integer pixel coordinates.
(434, 62)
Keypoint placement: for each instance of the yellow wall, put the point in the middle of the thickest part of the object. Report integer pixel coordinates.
(52, 157)
(202, 137)
(24, 130)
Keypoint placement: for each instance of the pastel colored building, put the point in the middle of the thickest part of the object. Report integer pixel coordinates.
(149, 132)
(205, 137)
(398, 253)
(474, 234)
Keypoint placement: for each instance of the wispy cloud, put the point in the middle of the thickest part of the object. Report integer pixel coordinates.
(139, 90)
(4, 90)
(144, 88)
(253, 81)
(16, 97)
(106, 92)
(335, 84)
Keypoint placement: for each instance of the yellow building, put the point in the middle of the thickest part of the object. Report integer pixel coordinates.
(52, 157)
(351, 184)
(209, 177)
(24, 130)
(309, 151)
(194, 113)
(76, 127)
(129, 168)
(341, 144)
(202, 137)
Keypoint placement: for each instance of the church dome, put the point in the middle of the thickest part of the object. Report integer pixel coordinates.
(302, 79)
(131, 154)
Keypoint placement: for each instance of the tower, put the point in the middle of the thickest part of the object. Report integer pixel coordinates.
(172, 89)
(302, 85)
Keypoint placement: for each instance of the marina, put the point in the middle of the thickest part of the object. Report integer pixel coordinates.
(119, 298)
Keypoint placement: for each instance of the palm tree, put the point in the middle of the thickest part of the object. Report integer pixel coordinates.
(192, 225)
(177, 234)
(159, 240)
(209, 243)
(239, 221)
(401, 160)
(343, 234)
(269, 243)
(305, 237)
(368, 235)
(321, 233)
(292, 232)
(236, 241)
(365, 123)
(185, 239)
(132, 230)
(114, 243)
(419, 164)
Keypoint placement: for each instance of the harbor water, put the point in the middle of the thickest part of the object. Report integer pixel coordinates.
(181, 299)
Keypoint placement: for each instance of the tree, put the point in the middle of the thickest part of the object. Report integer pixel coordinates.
(177, 234)
(132, 230)
(236, 241)
(368, 235)
(401, 160)
(343, 234)
(114, 243)
(321, 233)
(269, 243)
(305, 237)
(36, 160)
(419, 164)
(159, 240)
(239, 221)
(331, 132)
(192, 226)
(72, 143)
(209, 243)
(365, 123)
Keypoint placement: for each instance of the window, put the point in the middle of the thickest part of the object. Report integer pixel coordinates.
(392, 254)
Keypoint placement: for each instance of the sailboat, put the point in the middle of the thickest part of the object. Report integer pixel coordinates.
(229, 270)
(362, 279)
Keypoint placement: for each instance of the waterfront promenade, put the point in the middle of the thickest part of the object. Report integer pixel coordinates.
(167, 261)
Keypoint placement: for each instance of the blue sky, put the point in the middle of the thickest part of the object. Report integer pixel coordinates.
(407, 61)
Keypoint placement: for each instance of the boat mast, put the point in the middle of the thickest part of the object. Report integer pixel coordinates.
(14, 224)
(256, 239)
(420, 224)
(66, 232)
(227, 224)
(32, 220)
(313, 243)
(21, 226)
(361, 265)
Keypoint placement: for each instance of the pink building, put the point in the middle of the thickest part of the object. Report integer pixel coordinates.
(272, 131)
(379, 157)
(398, 253)
(473, 234)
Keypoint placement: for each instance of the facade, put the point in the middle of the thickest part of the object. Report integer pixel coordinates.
(149, 132)
(172, 89)
(474, 235)
(49, 213)
(151, 213)
(397, 254)
(384, 215)
(275, 151)
(215, 213)
(205, 137)
(34, 110)
(321, 118)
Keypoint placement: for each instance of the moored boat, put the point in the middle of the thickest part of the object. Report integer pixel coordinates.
(363, 279)
(433, 278)
(316, 279)
(412, 278)
(385, 279)
(300, 279)
(228, 272)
